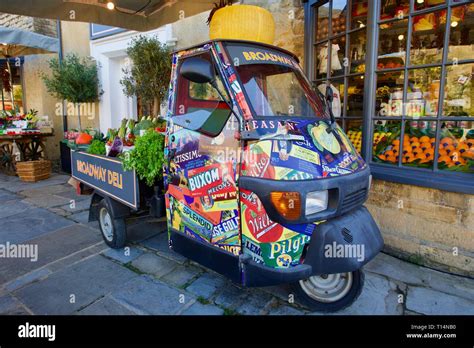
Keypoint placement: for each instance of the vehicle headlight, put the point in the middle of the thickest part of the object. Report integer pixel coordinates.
(316, 201)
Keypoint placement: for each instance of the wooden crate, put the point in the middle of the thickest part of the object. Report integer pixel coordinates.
(32, 171)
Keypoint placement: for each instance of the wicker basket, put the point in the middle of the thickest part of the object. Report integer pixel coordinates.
(33, 171)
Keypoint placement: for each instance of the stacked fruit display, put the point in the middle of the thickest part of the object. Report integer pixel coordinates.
(420, 150)
(355, 136)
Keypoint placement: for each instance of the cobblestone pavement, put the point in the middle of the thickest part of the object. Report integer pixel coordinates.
(76, 273)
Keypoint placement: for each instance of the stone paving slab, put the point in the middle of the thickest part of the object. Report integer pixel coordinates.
(206, 285)
(50, 190)
(47, 201)
(285, 310)
(124, 255)
(143, 230)
(379, 297)
(203, 309)
(82, 217)
(432, 302)
(230, 296)
(77, 257)
(7, 196)
(13, 207)
(153, 264)
(150, 296)
(13, 183)
(255, 303)
(78, 205)
(411, 274)
(159, 243)
(37, 274)
(181, 275)
(11, 306)
(51, 246)
(88, 281)
(24, 226)
(106, 306)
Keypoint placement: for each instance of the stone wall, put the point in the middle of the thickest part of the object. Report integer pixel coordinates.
(37, 25)
(289, 23)
(426, 226)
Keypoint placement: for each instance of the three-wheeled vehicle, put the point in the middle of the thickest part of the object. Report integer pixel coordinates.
(261, 183)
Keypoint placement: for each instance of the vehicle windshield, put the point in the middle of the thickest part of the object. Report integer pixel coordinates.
(273, 85)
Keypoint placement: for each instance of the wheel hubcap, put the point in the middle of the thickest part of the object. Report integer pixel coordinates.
(106, 224)
(327, 287)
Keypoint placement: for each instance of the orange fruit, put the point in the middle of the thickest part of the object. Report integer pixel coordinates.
(445, 159)
(395, 150)
(415, 144)
(396, 142)
(392, 159)
(449, 149)
(417, 151)
(446, 142)
(424, 146)
(382, 157)
(462, 147)
(443, 152)
(413, 139)
(432, 140)
(408, 158)
(429, 152)
(469, 154)
(424, 139)
(470, 142)
(459, 162)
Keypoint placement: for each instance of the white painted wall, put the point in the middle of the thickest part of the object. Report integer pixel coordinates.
(110, 53)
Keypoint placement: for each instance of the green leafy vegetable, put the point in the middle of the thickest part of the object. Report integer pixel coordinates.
(97, 147)
(147, 157)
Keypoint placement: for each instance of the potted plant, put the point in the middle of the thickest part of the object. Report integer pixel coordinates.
(149, 75)
(74, 79)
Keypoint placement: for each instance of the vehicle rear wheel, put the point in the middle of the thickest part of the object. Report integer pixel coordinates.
(330, 292)
(114, 231)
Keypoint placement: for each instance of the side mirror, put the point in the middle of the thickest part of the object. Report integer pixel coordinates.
(197, 70)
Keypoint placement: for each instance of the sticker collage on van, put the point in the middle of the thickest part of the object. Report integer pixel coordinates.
(203, 197)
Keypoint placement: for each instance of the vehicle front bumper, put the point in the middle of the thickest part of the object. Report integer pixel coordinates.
(355, 233)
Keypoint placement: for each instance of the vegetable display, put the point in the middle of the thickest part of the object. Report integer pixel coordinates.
(147, 157)
(97, 148)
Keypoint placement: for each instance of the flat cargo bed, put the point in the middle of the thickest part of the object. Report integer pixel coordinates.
(106, 175)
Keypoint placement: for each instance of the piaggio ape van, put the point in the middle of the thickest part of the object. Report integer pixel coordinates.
(261, 183)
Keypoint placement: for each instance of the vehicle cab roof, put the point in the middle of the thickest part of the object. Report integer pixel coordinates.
(242, 42)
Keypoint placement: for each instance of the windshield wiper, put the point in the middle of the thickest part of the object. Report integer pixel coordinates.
(329, 99)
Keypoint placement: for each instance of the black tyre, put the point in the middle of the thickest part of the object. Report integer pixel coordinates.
(114, 231)
(330, 292)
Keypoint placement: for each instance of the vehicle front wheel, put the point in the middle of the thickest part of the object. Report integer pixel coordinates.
(114, 231)
(329, 292)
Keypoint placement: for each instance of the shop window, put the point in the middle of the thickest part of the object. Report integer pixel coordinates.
(461, 40)
(394, 9)
(459, 91)
(456, 146)
(340, 47)
(427, 39)
(419, 121)
(430, 112)
(11, 86)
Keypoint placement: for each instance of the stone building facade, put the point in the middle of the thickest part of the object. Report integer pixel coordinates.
(423, 225)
